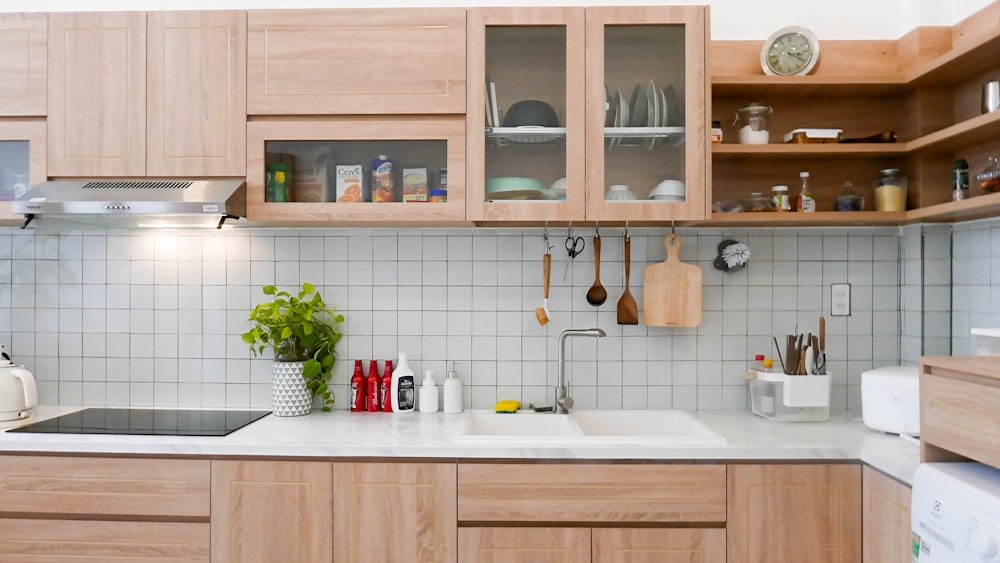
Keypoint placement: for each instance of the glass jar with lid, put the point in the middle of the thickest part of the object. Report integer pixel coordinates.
(890, 190)
(989, 178)
(751, 122)
(757, 202)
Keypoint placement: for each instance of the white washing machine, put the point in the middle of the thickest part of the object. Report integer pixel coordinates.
(956, 513)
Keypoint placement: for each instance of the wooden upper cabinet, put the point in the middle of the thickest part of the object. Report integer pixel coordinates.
(516, 55)
(648, 62)
(267, 511)
(97, 105)
(196, 94)
(357, 61)
(802, 513)
(23, 42)
(398, 512)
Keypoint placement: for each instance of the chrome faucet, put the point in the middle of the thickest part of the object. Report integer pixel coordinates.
(563, 401)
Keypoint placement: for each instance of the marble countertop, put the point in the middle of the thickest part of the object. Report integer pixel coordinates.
(343, 434)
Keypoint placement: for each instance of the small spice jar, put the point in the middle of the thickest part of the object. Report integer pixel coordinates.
(779, 198)
(757, 202)
(890, 190)
(438, 196)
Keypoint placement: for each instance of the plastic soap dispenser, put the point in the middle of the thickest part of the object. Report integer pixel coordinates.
(402, 390)
(452, 392)
(429, 393)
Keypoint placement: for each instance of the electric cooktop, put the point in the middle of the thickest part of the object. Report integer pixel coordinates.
(146, 422)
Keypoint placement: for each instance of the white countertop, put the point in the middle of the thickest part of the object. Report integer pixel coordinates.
(343, 434)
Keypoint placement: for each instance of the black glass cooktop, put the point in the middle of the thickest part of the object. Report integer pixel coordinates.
(147, 422)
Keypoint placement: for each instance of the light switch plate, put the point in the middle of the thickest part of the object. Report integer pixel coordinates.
(840, 300)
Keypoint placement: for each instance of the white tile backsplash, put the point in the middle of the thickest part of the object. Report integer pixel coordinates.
(145, 318)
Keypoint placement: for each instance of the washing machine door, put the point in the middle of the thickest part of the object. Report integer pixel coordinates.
(955, 513)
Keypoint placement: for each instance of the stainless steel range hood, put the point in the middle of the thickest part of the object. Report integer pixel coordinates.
(112, 203)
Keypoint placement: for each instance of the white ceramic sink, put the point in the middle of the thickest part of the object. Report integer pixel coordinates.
(587, 427)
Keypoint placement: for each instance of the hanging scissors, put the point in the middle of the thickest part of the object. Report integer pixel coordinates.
(574, 247)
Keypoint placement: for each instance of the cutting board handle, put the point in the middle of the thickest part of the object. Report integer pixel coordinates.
(673, 244)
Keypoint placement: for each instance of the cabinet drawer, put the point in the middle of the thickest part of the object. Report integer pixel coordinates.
(30, 541)
(97, 486)
(591, 493)
(356, 61)
(958, 414)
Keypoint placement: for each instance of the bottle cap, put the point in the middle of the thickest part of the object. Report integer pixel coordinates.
(961, 164)
(779, 188)
(803, 174)
(759, 357)
(429, 378)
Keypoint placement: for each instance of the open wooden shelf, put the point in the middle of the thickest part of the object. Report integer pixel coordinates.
(760, 86)
(987, 205)
(734, 151)
(818, 219)
(978, 129)
(959, 64)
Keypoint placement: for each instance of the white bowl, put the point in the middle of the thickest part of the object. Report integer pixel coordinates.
(559, 186)
(619, 192)
(670, 187)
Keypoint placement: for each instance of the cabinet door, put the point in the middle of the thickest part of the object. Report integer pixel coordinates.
(97, 105)
(624, 545)
(267, 511)
(523, 545)
(314, 148)
(648, 63)
(23, 42)
(802, 513)
(887, 527)
(79, 541)
(412, 505)
(22, 162)
(518, 56)
(196, 98)
(356, 61)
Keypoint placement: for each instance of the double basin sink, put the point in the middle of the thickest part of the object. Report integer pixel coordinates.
(582, 427)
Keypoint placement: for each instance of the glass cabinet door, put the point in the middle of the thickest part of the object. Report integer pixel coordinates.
(22, 162)
(647, 96)
(362, 170)
(526, 114)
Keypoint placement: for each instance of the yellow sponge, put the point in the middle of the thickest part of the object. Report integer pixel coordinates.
(507, 406)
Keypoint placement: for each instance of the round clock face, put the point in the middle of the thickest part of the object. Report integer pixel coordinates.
(790, 51)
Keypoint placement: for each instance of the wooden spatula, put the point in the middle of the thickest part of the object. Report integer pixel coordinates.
(628, 310)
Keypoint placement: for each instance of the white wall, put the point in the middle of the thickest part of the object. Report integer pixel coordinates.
(731, 19)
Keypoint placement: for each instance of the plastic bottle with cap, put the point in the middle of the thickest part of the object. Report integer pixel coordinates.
(428, 394)
(452, 391)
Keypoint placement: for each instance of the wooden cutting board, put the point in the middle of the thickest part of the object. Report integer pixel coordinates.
(672, 290)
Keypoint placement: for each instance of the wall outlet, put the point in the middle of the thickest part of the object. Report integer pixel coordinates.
(840, 302)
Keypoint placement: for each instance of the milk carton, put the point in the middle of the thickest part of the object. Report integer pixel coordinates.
(349, 181)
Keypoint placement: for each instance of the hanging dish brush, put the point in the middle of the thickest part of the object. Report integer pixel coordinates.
(733, 256)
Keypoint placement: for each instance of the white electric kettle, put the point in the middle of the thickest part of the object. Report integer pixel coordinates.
(18, 394)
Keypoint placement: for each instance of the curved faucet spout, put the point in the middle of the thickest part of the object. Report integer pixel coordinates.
(563, 402)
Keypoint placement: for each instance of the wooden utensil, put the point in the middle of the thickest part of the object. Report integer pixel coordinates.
(597, 295)
(542, 313)
(672, 289)
(628, 310)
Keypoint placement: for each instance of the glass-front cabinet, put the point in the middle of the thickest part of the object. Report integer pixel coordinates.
(22, 162)
(408, 170)
(526, 114)
(647, 94)
(595, 114)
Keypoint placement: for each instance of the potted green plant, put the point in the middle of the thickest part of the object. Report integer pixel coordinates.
(302, 332)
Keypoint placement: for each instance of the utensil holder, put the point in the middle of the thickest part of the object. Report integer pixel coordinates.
(790, 398)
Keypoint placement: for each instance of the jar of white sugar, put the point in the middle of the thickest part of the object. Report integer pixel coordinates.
(751, 122)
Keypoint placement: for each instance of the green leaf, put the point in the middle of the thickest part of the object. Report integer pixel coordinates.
(308, 287)
(269, 290)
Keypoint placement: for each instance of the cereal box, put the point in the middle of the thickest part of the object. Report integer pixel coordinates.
(414, 184)
(349, 180)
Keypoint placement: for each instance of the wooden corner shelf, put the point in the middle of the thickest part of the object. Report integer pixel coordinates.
(982, 128)
(959, 64)
(818, 219)
(978, 207)
(734, 151)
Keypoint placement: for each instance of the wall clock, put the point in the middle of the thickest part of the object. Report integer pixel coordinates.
(790, 51)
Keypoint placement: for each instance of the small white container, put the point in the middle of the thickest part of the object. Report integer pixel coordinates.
(790, 398)
(987, 341)
(428, 394)
(453, 392)
(890, 399)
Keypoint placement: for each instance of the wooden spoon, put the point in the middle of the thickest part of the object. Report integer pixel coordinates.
(628, 310)
(597, 295)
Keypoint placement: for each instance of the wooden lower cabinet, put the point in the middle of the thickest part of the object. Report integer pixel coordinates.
(394, 512)
(788, 512)
(680, 545)
(887, 527)
(598, 545)
(268, 511)
(80, 541)
(523, 545)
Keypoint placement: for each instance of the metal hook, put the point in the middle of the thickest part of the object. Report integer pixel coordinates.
(626, 229)
(673, 231)
(597, 229)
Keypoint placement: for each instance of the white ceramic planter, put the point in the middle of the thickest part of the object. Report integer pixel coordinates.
(289, 395)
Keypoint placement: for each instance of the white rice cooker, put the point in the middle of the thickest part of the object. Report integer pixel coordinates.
(890, 399)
